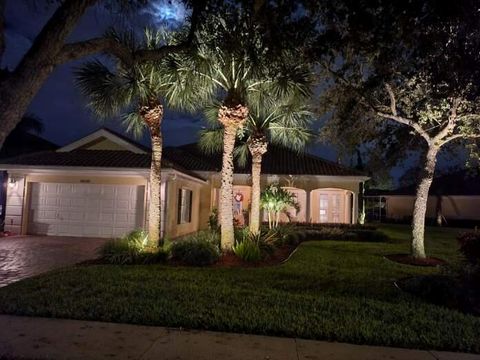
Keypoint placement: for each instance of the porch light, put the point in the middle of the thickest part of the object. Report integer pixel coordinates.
(12, 182)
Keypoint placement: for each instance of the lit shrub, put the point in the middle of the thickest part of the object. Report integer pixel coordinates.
(126, 250)
(197, 250)
(248, 250)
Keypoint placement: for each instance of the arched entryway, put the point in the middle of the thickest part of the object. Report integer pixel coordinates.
(331, 205)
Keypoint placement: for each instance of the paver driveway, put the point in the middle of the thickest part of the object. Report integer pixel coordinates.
(25, 256)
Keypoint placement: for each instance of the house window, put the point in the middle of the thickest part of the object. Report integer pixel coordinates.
(184, 206)
(323, 208)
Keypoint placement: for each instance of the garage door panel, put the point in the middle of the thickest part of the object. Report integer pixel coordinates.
(85, 209)
(107, 204)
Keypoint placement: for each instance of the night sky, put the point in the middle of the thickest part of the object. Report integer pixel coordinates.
(59, 104)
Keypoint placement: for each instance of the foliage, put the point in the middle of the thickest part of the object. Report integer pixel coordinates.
(213, 223)
(132, 249)
(283, 123)
(248, 250)
(276, 200)
(336, 285)
(470, 246)
(200, 249)
(128, 88)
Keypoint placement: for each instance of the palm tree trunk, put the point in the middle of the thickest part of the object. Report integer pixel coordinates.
(258, 147)
(420, 204)
(255, 202)
(232, 118)
(153, 115)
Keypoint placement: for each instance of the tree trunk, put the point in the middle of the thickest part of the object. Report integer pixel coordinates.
(258, 147)
(420, 204)
(18, 88)
(153, 115)
(232, 118)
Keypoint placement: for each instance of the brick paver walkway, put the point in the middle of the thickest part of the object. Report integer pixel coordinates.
(25, 256)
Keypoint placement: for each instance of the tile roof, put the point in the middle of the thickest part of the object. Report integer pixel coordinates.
(188, 159)
(93, 158)
(277, 160)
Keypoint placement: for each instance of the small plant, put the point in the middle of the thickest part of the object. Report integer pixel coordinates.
(470, 246)
(248, 250)
(240, 234)
(126, 250)
(197, 250)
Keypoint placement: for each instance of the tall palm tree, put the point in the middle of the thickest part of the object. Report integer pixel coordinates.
(234, 66)
(287, 125)
(138, 93)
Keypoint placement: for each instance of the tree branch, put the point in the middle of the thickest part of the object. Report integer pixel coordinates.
(393, 101)
(2, 28)
(81, 49)
(407, 122)
(51, 38)
(452, 120)
(460, 136)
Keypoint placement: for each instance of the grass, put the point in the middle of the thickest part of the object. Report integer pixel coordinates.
(329, 290)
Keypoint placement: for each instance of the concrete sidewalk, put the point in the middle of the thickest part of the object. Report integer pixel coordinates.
(40, 338)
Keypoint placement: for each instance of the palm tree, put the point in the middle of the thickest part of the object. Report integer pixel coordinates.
(286, 125)
(233, 65)
(139, 93)
(276, 200)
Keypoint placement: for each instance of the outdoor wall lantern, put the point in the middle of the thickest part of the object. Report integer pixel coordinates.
(12, 182)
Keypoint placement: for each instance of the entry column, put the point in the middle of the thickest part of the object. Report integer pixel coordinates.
(307, 204)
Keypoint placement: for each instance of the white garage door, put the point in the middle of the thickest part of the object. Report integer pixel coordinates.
(85, 209)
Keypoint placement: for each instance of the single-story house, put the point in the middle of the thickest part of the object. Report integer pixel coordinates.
(453, 198)
(99, 186)
(18, 143)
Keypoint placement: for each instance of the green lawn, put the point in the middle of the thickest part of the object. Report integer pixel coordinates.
(328, 290)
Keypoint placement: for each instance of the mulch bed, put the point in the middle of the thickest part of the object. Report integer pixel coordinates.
(281, 254)
(407, 259)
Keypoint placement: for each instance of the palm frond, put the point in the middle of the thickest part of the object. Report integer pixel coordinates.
(134, 124)
(211, 140)
(241, 154)
(108, 93)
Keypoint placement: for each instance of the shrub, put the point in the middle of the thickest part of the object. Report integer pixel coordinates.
(213, 223)
(197, 250)
(126, 250)
(248, 250)
(341, 233)
(153, 256)
(265, 240)
(368, 236)
(240, 234)
(470, 246)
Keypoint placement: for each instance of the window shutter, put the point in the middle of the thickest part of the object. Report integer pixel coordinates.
(179, 207)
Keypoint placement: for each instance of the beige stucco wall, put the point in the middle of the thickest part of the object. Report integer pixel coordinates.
(15, 203)
(311, 185)
(104, 144)
(453, 207)
(173, 229)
